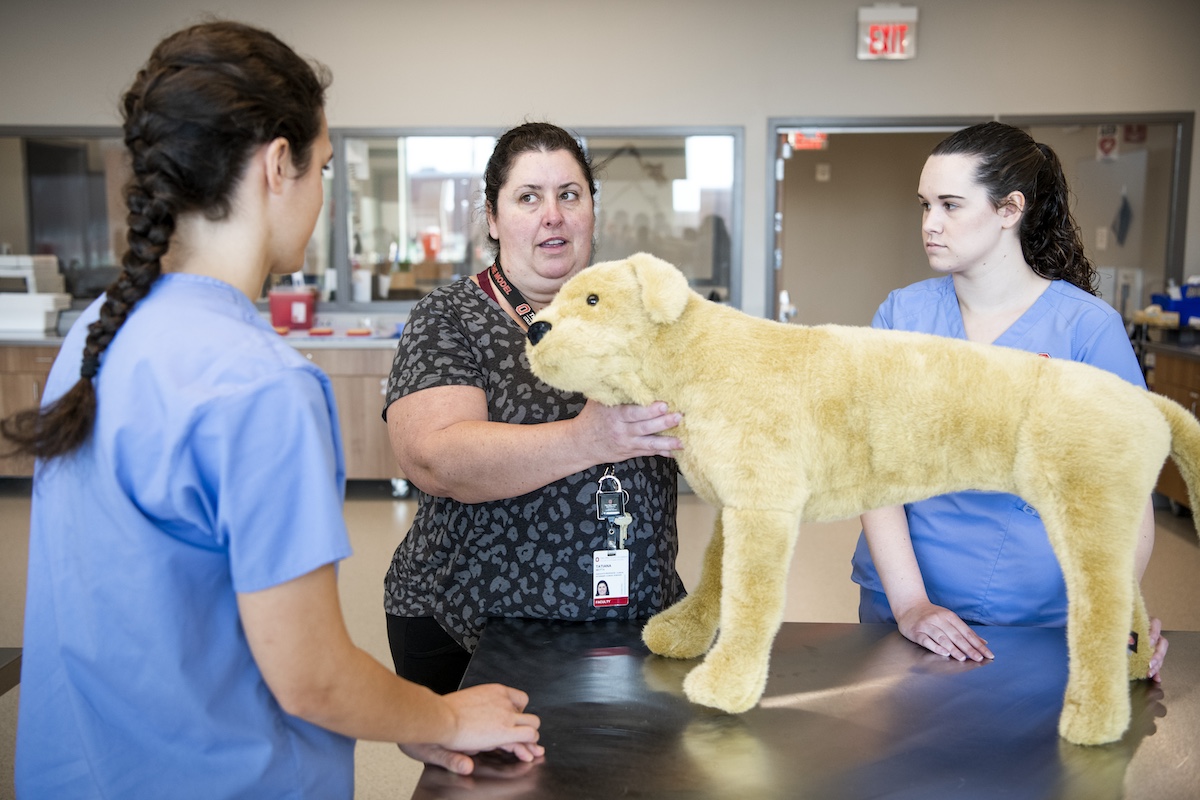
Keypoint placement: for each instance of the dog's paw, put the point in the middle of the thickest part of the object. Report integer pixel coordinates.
(713, 684)
(680, 631)
(1087, 723)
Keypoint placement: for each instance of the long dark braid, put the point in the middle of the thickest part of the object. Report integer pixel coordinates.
(1011, 161)
(206, 99)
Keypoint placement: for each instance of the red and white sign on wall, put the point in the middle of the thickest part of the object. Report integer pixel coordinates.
(887, 32)
(1107, 148)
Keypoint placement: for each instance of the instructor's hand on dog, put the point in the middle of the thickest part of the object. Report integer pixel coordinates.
(941, 631)
(622, 432)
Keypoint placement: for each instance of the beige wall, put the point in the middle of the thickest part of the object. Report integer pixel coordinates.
(642, 62)
(850, 240)
(13, 222)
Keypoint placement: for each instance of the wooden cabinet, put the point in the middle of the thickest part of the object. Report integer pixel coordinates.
(23, 371)
(1177, 377)
(359, 378)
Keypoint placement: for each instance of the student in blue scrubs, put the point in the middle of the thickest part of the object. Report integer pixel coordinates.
(996, 223)
(183, 636)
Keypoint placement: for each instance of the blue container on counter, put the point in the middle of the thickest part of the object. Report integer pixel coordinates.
(1187, 306)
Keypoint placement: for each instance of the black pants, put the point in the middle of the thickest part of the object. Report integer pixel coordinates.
(426, 654)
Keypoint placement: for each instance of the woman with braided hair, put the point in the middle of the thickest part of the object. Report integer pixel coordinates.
(996, 222)
(183, 636)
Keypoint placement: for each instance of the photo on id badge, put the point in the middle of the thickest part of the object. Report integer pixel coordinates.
(610, 578)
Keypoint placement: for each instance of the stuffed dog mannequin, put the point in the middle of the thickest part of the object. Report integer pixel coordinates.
(784, 424)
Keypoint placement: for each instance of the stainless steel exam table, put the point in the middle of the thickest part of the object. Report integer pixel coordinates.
(850, 711)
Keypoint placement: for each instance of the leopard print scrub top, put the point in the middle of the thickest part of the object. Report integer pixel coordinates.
(529, 556)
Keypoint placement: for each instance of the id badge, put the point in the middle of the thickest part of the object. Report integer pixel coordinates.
(610, 578)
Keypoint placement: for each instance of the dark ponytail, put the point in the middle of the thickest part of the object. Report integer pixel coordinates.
(1011, 161)
(206, 99)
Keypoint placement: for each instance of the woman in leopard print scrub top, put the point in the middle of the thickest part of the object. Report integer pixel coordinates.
(506, 468)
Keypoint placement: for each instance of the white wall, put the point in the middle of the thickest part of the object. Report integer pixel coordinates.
(642, 62)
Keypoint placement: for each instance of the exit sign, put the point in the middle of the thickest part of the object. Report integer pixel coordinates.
(887, 32)
(808, 140)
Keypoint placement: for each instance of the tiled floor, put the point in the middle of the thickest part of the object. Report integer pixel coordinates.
(819, 591)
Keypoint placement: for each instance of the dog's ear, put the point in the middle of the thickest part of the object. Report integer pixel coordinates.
(665, 290)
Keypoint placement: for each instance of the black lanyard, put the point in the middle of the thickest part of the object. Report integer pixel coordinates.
(511, 293)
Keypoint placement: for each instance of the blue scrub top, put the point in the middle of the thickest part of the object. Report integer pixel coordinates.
(985, 555)
(215, 467)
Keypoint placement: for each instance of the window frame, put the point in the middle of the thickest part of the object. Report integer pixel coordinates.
(340, 235)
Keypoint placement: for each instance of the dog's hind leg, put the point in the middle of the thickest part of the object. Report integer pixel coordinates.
(687, 629)
(757, 555)
(1095, 544)
(1139, 658)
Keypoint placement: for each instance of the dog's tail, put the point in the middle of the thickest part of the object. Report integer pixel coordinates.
(1185, 445)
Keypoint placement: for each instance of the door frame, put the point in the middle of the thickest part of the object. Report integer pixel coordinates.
(1184, 122)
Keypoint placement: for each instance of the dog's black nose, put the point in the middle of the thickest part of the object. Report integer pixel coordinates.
(537, 330)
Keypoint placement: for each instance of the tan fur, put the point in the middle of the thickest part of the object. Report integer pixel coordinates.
(785, 423)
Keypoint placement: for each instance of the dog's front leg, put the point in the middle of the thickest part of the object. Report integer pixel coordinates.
(687, 629)
(757, 555)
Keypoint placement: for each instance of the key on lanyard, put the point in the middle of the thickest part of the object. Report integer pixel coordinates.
(610, 499)
(610, 504)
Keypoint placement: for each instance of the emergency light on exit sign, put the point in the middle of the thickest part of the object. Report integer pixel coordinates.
(808, 140)
(887, 32)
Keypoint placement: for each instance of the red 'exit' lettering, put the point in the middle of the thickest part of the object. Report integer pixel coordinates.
(887, 39)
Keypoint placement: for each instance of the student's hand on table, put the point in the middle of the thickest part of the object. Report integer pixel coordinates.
(941, 631)
(1159, 644)
(438, 756)
(489, 764)
(495, 777)
(488, 717)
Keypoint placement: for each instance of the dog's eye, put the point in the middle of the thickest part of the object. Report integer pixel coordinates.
(593, 299)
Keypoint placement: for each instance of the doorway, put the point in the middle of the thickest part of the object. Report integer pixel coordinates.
(845, 229)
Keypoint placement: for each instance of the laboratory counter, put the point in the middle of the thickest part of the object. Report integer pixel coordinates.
(850, 711)
(1188, 351)
(357, 365)
(300, 339)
